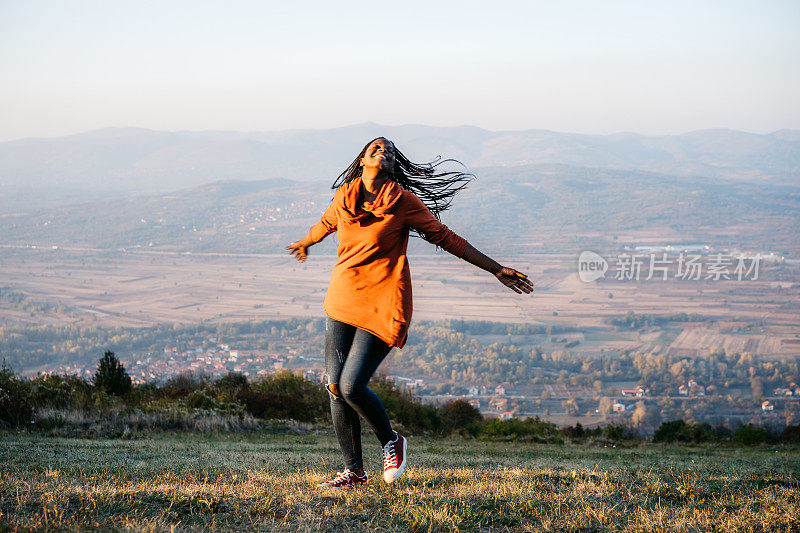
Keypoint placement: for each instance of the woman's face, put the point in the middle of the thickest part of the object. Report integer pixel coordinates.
(379, 154)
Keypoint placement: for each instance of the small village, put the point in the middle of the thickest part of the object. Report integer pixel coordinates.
(502, 401)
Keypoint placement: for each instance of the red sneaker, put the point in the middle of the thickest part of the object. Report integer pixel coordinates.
(345, 480)
(394, 458)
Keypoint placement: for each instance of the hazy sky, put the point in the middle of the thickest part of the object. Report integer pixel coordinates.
(593, 67)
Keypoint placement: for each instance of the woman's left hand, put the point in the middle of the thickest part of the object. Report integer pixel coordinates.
(516, 281)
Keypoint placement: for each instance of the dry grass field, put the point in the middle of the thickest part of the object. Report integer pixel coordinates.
(139, 288)
(267, 483)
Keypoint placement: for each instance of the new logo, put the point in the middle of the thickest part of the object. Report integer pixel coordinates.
(591, 266)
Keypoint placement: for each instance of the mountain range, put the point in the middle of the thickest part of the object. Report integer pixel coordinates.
(111, 163)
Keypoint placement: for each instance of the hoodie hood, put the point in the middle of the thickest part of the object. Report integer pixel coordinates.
(388, 195)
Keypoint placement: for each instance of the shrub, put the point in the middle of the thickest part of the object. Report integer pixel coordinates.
(401, 406)
(16, 406)
(142, 393)
(60, 391)
(750, 435)
(459, 414)
(228, 387)
(791, 434)
(580, 433)
(201, 400)
(182, 385)
(77, 394)
(672, 431)
(618, 432)
(531, 428)
(232, 381)
(285, 395)
(680, 431)
(111, 376)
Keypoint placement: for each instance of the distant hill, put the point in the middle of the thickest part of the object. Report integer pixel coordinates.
(554, 208)
(110, 163)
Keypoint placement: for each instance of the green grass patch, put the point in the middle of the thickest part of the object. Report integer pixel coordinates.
(264, 481)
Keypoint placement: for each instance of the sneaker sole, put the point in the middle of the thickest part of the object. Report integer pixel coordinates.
(392, 475)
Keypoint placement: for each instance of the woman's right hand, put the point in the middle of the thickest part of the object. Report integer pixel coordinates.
(299, 249)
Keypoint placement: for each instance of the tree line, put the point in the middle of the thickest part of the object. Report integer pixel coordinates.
(289, 396)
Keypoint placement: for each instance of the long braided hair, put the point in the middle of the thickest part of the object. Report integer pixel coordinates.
(435, 188)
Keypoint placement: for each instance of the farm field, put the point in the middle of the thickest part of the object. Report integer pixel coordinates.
(145, 288)
(267, 482)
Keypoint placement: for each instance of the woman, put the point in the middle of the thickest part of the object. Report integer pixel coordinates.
(368, 303)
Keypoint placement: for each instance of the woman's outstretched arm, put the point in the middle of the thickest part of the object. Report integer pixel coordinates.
(516, 281)
(419, 217)
(327, 224)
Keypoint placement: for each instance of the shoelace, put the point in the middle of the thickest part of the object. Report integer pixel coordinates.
(341, 477)
(389, 455)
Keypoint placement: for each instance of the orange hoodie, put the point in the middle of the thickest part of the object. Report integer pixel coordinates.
(370, 285)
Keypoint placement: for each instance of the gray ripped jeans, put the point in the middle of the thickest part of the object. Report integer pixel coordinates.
(351, 357)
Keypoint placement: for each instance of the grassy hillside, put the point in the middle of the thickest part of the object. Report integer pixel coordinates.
(260, 481)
